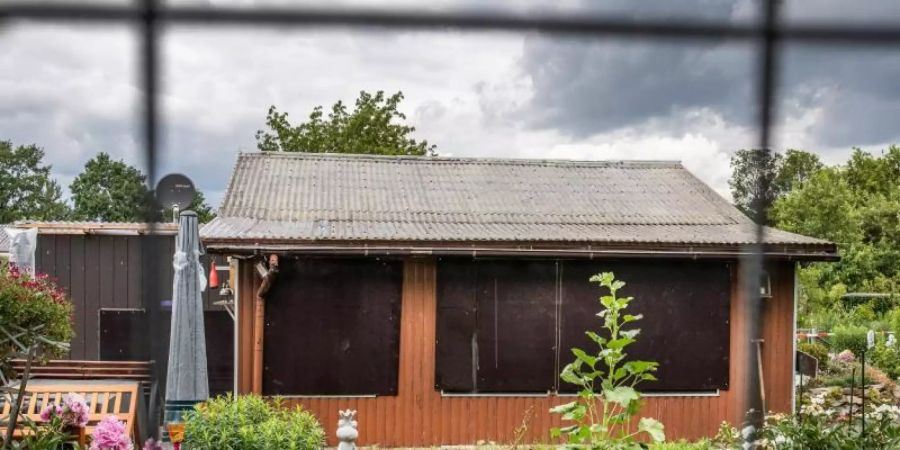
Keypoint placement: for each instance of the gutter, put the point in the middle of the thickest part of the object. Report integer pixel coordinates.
(367, 250)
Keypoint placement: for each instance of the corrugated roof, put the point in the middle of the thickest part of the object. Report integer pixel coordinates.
(326, 197)
(69, 227)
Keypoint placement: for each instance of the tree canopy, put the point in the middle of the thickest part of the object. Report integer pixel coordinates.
(759, 177)
(27, 190)
(374, 126)
(109, 191)
(856, 205)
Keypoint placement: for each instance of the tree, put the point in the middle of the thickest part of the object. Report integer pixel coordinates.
(375, 126)
(204, 212)
(27, 190)
(110, 191)
(759, 177)
(856, 205)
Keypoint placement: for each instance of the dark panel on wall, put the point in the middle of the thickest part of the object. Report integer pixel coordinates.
(455, 329)
(123, 335)
(333, 328)
(501, 317)
(685, 328)
(516, 326)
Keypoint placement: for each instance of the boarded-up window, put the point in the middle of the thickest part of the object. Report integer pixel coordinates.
(496, 326)
(685, 328)
(499, 322)
(333, 328)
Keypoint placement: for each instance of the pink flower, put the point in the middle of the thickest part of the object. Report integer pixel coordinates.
(75, 410)
(151, 444)
(110, 434)
(50, 410)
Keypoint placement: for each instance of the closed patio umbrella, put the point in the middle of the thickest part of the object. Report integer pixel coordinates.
(187, 381)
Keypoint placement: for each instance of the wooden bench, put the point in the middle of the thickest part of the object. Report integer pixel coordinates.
(141, 371)
(103, 399)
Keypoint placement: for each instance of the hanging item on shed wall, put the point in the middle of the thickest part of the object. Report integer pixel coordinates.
(23, 244)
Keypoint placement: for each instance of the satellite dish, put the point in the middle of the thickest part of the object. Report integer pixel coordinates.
(175, 191)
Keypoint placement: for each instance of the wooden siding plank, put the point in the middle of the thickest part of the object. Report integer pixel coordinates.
(120, 271)
(77, 296)
(107, 265)
(92, 285)
(135, 271)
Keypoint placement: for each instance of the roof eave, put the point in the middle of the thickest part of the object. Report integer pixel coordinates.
(798, 252)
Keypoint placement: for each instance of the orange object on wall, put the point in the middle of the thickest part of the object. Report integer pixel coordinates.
(213, 275)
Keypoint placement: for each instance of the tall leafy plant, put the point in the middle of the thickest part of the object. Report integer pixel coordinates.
(608, 400)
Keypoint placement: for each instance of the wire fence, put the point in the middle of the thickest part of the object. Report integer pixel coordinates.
(768, 34)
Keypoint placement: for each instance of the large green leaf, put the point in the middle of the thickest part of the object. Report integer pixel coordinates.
(596, 337)
(588, 359)
(617, 344)
(653, 427)
(564, 408)
(622, 395)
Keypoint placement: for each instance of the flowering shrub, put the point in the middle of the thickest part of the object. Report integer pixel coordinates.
(34, 302)
(72, 412)
(845, 357)
(110, 434)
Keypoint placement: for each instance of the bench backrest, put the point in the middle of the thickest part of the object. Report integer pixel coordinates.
(114, 399)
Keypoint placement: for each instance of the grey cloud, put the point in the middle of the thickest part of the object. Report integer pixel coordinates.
(588, 87)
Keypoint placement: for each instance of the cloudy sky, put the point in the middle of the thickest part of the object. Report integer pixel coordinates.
(73, 89)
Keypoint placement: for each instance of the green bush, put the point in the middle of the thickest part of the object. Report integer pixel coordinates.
(885, 358)
(849, 337)
(817, 350)
(250, 423)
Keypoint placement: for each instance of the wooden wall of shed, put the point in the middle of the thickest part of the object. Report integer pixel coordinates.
(102, 271)
(420, 416)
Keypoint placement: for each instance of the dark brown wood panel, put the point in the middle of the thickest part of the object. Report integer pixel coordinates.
(92, 285)
(120, 272)
(135, 269)
(123, 335)
(340, 318)
(685, 326)
(496, 327)
(76, 293)
(456, 324)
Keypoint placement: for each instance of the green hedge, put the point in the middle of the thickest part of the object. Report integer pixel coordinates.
(251, 423)
(848, 337)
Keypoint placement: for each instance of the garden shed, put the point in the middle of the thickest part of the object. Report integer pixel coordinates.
(119, 279)
(440, 296)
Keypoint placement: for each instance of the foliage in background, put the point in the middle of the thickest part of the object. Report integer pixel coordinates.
(250, 423)
(375, 126)
(607, 399)
(759, 177)
(109, 191)
(114, 191)
(816, 350)
(848, 337)
(856, 205)
(27, 190)
(205, 213)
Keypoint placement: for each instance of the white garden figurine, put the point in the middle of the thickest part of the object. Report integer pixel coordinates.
(346, 430)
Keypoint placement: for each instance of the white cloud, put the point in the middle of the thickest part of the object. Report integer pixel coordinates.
(74, 91)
